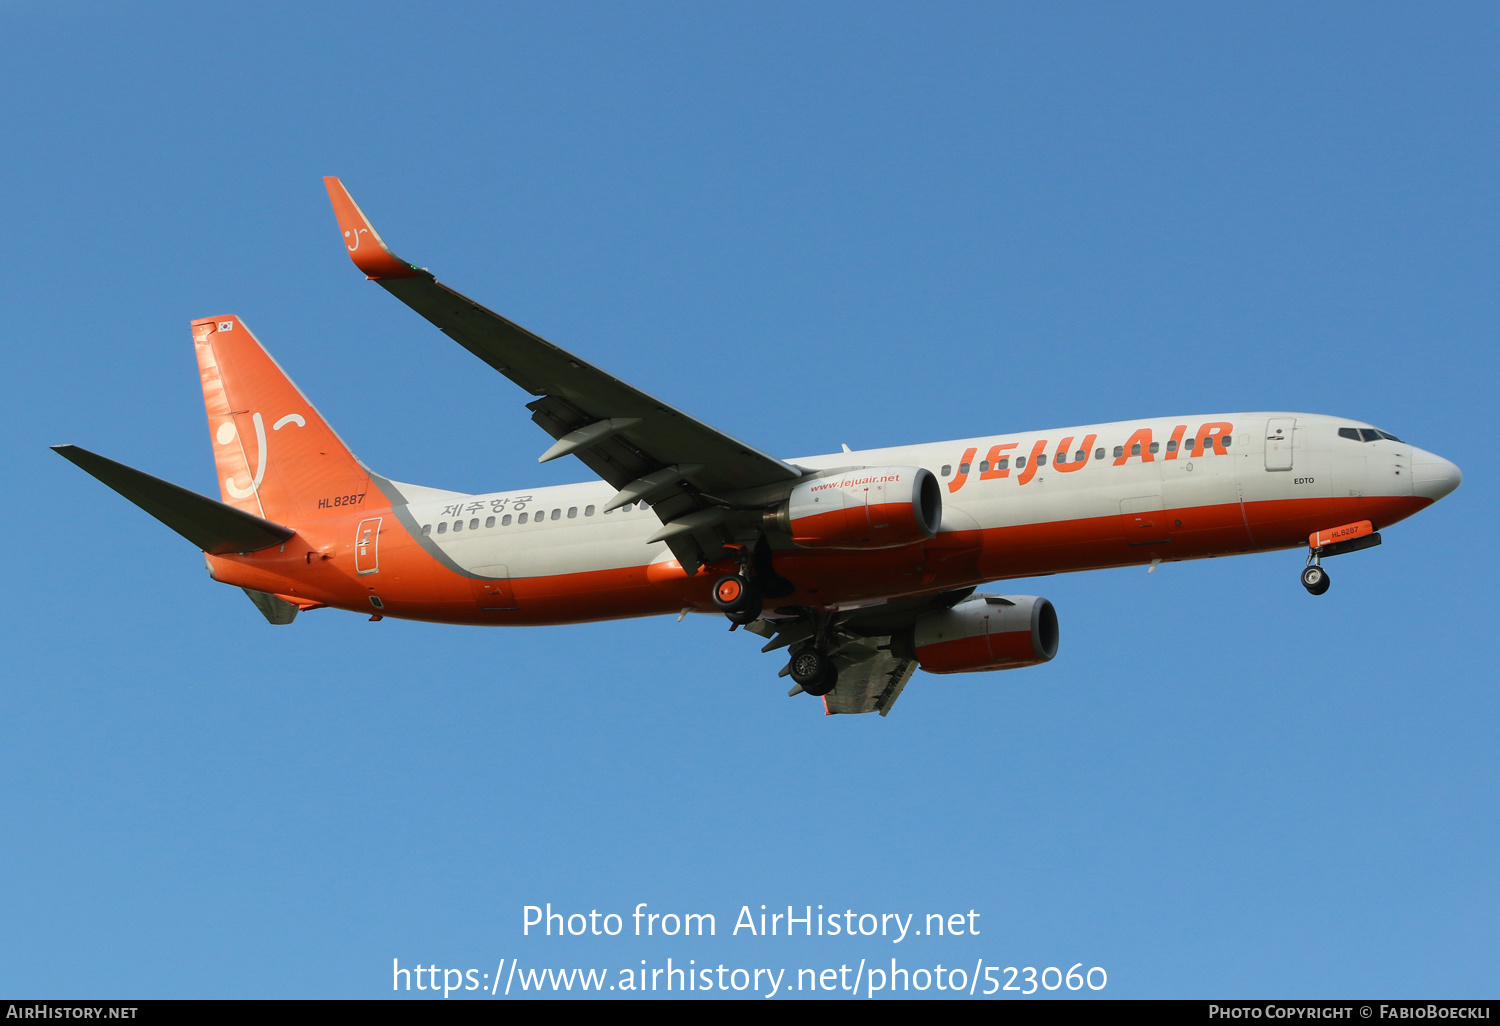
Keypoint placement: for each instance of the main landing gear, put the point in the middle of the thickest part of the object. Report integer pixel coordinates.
(1314, 578)
(814, 671)
(737, 598)
(741, 596)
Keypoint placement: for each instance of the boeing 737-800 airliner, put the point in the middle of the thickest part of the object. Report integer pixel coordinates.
(863, 565)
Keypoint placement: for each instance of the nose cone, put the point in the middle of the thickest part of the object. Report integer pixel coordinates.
(1432, 476)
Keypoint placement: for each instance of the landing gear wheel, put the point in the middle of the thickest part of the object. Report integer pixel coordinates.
(1315, 579)
(810, 666)
(823, 684)
(745, 616)
(737, 598)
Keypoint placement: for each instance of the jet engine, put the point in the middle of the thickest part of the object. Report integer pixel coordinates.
(867, 508)
(983, 632)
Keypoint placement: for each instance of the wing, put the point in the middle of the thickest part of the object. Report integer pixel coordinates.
(642, 446)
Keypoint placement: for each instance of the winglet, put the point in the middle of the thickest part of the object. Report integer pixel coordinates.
(366, 248)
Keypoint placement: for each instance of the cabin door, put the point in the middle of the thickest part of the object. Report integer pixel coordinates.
(367, 547)
(1279, 442)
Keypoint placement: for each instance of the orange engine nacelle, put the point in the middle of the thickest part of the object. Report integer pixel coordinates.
(983, 632)
(868, 508)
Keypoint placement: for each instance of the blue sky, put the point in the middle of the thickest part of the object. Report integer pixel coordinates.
(858, 223)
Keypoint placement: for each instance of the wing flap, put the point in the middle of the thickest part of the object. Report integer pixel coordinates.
(869, 681)
(208, 523)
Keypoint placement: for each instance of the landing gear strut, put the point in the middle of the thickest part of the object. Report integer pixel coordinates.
(1314, 578)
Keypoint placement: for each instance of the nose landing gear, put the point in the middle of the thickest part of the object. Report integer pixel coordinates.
(1314, 578)
(1334, 541)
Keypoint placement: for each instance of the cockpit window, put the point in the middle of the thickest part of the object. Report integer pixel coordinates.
(1367, 435)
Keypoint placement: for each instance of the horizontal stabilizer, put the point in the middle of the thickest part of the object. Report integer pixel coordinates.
(209, 524)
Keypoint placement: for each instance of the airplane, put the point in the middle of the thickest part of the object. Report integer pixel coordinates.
(863, 565)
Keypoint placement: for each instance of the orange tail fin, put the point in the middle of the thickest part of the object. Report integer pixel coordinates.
(276, 456)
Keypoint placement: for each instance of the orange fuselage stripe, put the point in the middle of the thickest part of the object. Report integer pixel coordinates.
(317, 567)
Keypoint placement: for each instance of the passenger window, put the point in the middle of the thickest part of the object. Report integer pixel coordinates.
(1135, 450)
(1350, 433)
(588, 511)
(1172, 445)
(572, 512)
(984, 466)
(1041, 459)
(426, 530)
(489, 521)
(643, 505)
(627, 507)
(1099, 453)
(505, 520)
(1227, 440)
(1155, 447)
(474, 524)
(1020, 462)
(1368, 434)
(1062, 457)
(1188, 444)
(1003, 463)
(521, 519)
(963, 468)
(1119, 451)
(1081, 456)
(458, 525)
(443, 527)
(947, 469)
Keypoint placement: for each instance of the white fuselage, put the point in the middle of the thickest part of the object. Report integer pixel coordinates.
(565, 533)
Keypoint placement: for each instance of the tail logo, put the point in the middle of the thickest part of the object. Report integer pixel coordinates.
(355, 236)
(227, 434)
